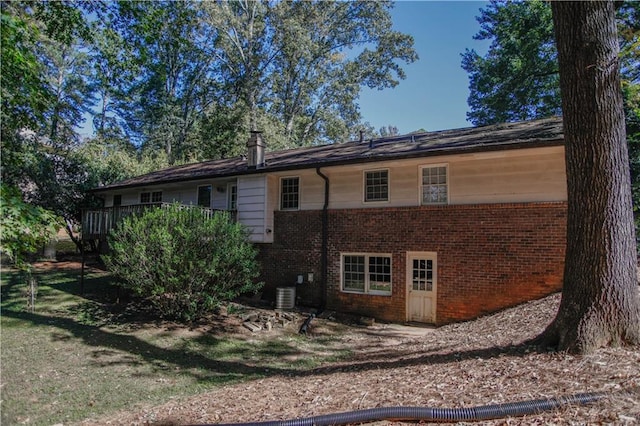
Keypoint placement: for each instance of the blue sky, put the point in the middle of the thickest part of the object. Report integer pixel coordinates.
(434, 94)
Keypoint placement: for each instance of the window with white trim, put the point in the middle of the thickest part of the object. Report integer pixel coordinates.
(434, 186)
(232, 202)
(204, 196)
(376, 185)
(366, 273)
(150, 197)
(290, 193)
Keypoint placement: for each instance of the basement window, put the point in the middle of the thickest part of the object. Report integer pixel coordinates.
(366, 273)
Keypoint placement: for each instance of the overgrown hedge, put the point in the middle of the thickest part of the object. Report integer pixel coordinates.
(185, 264)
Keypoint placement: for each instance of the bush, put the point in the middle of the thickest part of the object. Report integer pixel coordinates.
(184, 263)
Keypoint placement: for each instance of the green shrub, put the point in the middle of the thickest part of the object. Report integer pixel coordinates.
(184, 263)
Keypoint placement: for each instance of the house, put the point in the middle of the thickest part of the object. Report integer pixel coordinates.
(429, 227)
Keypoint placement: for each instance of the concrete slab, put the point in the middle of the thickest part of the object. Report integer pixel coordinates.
(401, 330)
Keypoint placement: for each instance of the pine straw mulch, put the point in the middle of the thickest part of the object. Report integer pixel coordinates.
(460, 365)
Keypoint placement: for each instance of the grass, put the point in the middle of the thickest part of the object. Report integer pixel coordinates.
(77, 357)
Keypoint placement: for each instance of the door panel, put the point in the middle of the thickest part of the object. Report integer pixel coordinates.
(421, 287)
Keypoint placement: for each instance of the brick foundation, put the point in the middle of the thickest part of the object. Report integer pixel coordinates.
(490, 256)
(296, 250)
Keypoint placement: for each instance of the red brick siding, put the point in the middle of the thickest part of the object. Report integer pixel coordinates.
(490, 256)
(296, 249)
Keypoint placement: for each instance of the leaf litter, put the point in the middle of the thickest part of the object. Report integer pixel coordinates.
(459, 365)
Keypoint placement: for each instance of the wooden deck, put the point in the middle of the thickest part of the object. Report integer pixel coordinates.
(96, 223)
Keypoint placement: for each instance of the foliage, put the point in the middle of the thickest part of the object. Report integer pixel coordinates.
(192, 78)
(44, 97)
(41, 76)
(25, 96)
(174, 86)
(518, 77)
(109, 160)
(24, 228)
(184, 80)
(184, 263)
(309, 80)
(631, 95)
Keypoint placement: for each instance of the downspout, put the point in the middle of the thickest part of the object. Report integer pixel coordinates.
(324, 255)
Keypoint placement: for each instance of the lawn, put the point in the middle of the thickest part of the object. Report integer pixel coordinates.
(76, 357)
(99, 359)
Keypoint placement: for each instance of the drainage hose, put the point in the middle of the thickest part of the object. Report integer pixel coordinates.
(485, 412)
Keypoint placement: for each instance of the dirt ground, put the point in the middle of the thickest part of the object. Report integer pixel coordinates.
(469, 364)
(460, 365)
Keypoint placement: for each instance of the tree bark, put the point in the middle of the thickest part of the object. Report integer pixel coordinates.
(600, 302)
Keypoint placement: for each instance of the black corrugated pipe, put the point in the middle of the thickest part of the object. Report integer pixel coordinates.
(306, 324)
(324, 254)
(444, 415)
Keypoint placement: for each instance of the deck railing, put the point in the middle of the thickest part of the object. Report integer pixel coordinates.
(96, 223)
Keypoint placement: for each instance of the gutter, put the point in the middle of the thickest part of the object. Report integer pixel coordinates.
(324, 254)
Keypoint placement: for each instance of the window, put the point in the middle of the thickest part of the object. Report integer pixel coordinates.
(150, 197)
(422, 275)
(363, 273)
(289, 193)
(204, 196)
(353, 276)
(233, 196)
(434, 185)
(376, 185)
(117, 200)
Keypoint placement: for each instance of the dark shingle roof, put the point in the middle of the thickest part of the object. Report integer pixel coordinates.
(526, 134)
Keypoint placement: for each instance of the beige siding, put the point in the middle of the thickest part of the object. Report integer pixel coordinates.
(187, 195)
(219, 197)
(312, 191)
(525, 178)
(272, 204)
(525, 175)
(252, 202)
(128, 198)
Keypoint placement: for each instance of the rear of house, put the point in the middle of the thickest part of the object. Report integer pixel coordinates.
(433, 227)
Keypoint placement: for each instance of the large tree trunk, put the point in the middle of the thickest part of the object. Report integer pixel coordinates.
(600, 303)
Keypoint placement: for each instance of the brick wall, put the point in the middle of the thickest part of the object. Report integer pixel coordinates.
(490, 256)
(296, 250)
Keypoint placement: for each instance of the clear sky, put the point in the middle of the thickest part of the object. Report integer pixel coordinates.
(434, 94)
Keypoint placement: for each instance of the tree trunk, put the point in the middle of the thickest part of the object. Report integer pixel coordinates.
(600, 302)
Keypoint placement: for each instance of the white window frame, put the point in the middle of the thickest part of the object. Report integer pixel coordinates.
(299, 193)
(367, 278)
(230, 200)
(364, 186)
(421, 185)
(210, 195)
(151, 195)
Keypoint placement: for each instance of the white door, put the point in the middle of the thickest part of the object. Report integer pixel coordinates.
(421, 286)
